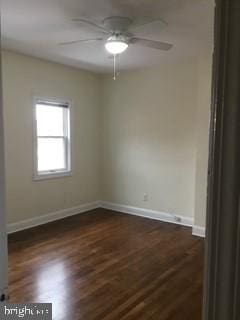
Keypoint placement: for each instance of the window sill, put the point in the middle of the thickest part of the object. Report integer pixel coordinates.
(54, 175)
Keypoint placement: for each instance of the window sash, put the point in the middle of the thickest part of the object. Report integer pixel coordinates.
(65, 154)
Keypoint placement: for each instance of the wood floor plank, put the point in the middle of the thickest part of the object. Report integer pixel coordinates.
(104, 265)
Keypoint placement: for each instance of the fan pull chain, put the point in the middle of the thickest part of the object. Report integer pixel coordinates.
(114, 67)
(115, 73)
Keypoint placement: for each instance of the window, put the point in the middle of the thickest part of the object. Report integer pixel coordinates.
(52, 139)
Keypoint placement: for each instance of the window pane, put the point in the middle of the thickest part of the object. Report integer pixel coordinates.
(51, 154)
(49, 120)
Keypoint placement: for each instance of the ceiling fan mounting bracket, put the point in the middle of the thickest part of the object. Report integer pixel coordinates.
(117, 24)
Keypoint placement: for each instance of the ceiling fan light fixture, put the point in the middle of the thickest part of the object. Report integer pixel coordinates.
(116, 46)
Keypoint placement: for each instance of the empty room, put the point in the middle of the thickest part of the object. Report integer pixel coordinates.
(106, 110)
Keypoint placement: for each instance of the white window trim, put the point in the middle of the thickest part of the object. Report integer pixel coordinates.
(58, 173)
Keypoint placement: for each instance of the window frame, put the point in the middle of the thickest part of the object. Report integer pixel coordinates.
(51, 174)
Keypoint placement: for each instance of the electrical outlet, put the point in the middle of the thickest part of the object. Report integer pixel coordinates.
(145, 197)
(177, 219)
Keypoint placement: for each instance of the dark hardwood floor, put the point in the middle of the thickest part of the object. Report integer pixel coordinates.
(106, 265)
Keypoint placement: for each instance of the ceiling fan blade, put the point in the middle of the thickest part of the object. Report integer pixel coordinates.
(79, 41)
(93, 24)
(135, 26)
(151, 43)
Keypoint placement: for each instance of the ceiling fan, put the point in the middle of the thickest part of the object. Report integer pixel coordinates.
(118, 34)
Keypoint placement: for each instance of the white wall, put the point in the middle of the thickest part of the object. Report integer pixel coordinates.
(149, 138)
(24, 78)
(156, 131)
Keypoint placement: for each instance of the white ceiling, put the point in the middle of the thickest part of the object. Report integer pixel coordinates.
(35, 27)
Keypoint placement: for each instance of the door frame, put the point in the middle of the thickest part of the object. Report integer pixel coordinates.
(222, 267)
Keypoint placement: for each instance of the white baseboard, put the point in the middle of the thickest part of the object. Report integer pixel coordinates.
(33, 222)
(198, 231)
(147, 213)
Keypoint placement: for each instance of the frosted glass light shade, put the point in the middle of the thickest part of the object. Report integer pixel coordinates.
(116, 47)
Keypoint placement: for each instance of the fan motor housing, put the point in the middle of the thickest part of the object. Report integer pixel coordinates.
(117, 24)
